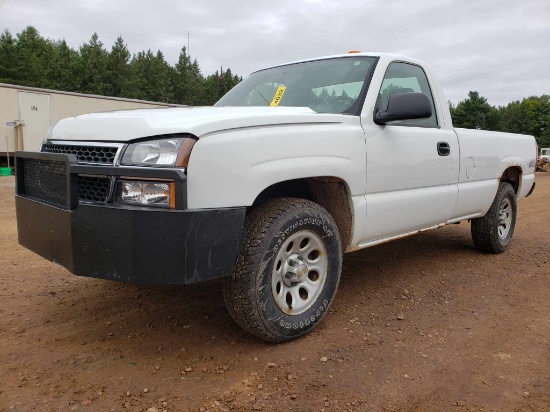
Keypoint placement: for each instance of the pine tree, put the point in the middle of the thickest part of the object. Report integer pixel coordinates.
(475, 113)
(183, 78)
(212, 88)
(196, 82)
(8, 58)
(226, 83)
(118, 69)
(163, 74)
(141, 73)
(152, 77)
(94, 72)
(63, 72)
(33, 56)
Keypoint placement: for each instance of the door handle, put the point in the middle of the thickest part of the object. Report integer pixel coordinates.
(443, 149)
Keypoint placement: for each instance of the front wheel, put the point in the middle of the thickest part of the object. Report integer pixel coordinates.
(492, 233)
(288, 271)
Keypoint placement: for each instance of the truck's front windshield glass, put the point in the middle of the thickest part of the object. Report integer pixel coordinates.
(325, 86)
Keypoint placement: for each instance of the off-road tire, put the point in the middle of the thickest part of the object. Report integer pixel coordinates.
(252, 294)
(485, 230)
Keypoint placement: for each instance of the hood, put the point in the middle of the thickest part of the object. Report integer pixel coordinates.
(126, 125)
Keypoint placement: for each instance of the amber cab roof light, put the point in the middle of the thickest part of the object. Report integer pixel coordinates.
(354, 51)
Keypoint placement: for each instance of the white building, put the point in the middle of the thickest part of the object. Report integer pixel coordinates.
(26, 113)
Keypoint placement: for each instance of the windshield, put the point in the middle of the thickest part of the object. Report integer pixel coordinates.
(325, 86)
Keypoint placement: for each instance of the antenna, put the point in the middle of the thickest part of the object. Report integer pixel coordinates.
(188, 48)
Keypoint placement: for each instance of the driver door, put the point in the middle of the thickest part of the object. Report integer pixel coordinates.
(410, 182)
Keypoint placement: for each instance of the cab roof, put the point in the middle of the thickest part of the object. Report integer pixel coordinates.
(381, 56)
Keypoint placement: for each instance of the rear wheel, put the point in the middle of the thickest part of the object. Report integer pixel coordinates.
(288, 270)
(492, 233)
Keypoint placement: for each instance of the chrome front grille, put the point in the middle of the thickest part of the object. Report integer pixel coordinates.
(103, 154)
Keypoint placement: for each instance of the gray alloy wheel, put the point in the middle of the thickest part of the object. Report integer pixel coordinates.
(299, 272)
(504, 218)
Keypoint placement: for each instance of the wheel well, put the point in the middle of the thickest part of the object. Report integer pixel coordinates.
(512, 175)
(330, 192)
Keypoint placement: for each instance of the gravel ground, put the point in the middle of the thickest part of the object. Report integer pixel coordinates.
(421, 324)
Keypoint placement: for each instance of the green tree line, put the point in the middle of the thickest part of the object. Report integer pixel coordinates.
(529, 116)
(28, 59)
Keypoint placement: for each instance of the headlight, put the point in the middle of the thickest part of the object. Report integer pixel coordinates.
(161, 153)
(145, 193)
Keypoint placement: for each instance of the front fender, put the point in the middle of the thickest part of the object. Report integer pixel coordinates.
(232, 168)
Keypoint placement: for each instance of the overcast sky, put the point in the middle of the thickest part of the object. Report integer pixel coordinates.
(501, 48)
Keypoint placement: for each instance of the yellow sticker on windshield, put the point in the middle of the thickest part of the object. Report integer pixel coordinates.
(278, 96)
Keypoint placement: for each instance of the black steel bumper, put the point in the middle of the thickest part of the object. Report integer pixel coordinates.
(132, 244)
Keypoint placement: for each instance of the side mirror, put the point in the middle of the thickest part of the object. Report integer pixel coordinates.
(405, 106)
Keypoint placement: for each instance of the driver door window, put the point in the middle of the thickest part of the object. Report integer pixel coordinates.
(406, 78)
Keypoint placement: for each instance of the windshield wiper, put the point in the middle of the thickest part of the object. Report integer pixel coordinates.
(261, 95)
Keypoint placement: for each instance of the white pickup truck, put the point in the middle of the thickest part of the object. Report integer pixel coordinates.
(294, 166)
